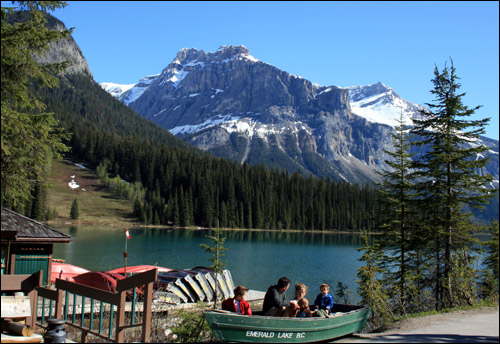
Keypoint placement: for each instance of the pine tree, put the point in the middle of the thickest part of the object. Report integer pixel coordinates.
(74, 213)
(30, 136)
(491, 279)
(397, 217)
(371, 290)
(217, 252)
(492, 260)
(447, 170)
(139, 210)
(38, 201)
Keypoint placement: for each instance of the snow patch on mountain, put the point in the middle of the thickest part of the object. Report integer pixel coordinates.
(193, 128)
(176, 78)
(137, 90)
(379, 103)
(251, 127)
(116, 90)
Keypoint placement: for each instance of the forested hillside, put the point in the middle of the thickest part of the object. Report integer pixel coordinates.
(186, 186)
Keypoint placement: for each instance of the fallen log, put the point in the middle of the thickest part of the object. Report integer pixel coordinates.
(17, 328)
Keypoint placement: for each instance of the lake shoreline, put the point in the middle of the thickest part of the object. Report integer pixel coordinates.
(125, 224)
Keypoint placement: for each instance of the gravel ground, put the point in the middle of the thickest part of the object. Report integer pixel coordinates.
(472, 326)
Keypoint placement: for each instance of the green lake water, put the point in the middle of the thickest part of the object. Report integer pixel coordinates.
(255, 259)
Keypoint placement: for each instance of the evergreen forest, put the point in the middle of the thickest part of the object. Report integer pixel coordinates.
(187, 187)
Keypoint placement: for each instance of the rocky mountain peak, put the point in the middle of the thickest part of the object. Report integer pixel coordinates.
(234, 106)
(230, 51)
(360, 92)
(186, 55)
(64, 50)
(191, 56)
(59, 51)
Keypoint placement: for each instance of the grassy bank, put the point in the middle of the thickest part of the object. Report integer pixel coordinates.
(96, 205)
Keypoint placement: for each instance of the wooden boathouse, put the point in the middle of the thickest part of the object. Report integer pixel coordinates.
(27, 245)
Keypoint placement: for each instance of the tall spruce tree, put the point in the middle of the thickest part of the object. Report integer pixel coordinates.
(30, 136)
(397, 220)
(448, 178)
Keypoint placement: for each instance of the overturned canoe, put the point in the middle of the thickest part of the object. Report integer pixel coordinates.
(140, 268)
(65, 271)
(202, 283)
(102, 280)
(229, 281)
(166, 278)
(222, 285)
(192, 288)
(209, 277)
(163, 285)
(232, 327)
(166, 297)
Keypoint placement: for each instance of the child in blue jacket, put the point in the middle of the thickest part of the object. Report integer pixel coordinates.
(324, 301)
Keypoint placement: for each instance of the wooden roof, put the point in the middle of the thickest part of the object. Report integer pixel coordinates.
(28, 229)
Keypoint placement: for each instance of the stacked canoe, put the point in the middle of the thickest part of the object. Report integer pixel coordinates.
(196, 284)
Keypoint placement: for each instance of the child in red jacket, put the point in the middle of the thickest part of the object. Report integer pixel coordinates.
(238, 304)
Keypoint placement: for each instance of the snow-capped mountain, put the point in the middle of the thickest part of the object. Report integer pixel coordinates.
(235, 106)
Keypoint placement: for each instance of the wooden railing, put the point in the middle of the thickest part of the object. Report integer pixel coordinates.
(63, 306)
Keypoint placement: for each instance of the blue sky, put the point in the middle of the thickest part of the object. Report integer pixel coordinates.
(329, 43)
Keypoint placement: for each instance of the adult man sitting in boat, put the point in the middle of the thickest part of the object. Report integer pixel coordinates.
(238, 304)
(275, 303)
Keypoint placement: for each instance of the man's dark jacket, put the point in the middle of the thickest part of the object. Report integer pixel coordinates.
(274, 298)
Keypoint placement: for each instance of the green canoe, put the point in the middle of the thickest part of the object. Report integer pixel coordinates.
(232, 327)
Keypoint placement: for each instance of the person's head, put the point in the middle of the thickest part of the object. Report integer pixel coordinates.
(303, 303)
(300, 291)
(240, 292)
(283, 283)
(325, 288)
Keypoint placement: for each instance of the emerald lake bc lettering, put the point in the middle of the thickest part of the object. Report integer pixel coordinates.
(281, 335)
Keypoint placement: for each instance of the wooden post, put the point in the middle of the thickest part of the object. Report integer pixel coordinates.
(59, 304)
(147, 312)
(125, 255)
(120, 318)
(83, 337)
(37, 279)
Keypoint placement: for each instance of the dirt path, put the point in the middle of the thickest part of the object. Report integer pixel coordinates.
(472, 326)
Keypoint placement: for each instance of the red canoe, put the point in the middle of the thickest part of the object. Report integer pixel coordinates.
(65, 271)
(102, 280)
(96, 279)
(140, 268)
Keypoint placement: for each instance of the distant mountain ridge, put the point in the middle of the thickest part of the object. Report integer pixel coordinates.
(235, 106)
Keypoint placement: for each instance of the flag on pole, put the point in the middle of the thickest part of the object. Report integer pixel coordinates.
(127, 234)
